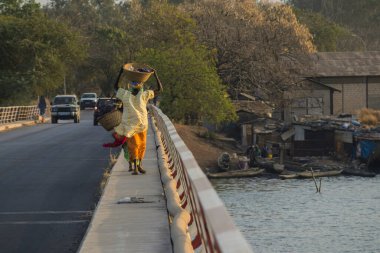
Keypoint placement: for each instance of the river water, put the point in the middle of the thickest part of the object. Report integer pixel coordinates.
(289, 216)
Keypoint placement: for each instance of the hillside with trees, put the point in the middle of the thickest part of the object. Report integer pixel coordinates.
(205, 52)
(255, 45)
(35, 52)
(360, 18)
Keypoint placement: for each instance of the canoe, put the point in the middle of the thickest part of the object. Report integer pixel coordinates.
(308, 174)
(359, 173)
(270, 165)
(288, 176)
(236, 173)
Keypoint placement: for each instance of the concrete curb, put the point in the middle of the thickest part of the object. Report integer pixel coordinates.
(10, 126)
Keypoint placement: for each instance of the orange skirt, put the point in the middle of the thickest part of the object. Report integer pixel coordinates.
(136, 145)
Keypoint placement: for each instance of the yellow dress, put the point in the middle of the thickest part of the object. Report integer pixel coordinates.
(135, 114)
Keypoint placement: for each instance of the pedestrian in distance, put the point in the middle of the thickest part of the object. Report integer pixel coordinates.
(131, 133)
(39, 117)
(42, 105)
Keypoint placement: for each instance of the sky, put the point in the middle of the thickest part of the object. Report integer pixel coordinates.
(42, 2)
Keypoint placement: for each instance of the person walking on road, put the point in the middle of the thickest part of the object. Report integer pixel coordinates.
(42, 105)
(132, 131)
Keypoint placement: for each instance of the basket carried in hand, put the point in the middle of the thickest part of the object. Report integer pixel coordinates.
(110, 119)
(137, 72)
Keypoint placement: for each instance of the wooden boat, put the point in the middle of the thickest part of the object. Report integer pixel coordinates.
(251, 172)
(288, 176)
(270, 165)
(308, 174)
(359, 173)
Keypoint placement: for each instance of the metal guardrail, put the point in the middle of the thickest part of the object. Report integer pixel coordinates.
(209, 226)
(17, 113)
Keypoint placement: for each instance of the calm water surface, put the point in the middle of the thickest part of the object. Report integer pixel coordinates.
(289, 216)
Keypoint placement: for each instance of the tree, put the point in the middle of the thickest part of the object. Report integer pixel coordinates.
(193, 92)
(164, 36)
(35, 52)
(109, 51)
(360, 17)
(327, 35)
(102, 25)
(260, 48)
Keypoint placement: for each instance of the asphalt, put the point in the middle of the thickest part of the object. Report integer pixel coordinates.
(131, 215)
(49, 180)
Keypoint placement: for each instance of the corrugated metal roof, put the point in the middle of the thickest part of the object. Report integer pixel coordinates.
(247, 96)
(329, 64)
(256, 107)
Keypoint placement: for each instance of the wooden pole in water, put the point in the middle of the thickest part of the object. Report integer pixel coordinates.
(315, 181)
(282, 147)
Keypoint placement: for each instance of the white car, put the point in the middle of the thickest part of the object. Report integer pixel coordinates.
(88, 100)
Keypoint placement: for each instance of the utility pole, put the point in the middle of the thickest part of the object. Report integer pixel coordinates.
(64, 84)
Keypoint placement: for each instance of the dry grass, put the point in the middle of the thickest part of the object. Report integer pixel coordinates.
(205, 147)
(369, 116)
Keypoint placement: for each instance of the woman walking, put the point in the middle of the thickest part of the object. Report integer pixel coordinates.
(132, 131)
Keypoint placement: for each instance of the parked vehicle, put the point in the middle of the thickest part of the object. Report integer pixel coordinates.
(65, 107)
(88, 100)
(103, 106)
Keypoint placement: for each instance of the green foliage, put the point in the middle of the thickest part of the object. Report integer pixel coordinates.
(210, 135)
(249, 47)
(36, 52)
(192, 88)
(361, 17)
(160, 25)
(19, 8)
(327, 35)
(109, 49)
(102, 25)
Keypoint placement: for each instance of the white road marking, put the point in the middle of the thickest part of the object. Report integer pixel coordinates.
(46, 212)
(41, 222)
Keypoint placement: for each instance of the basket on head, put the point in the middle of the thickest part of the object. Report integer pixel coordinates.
(133, 72)
(110, 119)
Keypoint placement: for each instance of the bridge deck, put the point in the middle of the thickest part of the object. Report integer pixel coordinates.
(131, 227)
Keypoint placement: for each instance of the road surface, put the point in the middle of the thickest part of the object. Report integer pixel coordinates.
(50, 178)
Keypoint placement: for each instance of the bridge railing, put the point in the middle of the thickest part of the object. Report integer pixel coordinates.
(200, 221)
(11, 114)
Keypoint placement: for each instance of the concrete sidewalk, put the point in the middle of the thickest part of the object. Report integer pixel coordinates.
(131, 227)
(9, 126)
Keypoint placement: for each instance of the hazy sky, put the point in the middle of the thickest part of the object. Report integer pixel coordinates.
(42, 2)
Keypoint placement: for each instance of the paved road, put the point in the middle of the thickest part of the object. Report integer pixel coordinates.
(49, 184)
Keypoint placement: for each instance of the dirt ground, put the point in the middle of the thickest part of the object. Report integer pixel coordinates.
(206, 150)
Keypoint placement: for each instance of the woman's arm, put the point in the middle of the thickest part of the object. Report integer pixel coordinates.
(116, 85)
(159, 87)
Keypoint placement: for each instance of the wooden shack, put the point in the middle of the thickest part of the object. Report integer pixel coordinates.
(253, 114)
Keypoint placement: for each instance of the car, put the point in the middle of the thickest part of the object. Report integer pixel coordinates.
(104, 105)
(65, 107)
(88, 100)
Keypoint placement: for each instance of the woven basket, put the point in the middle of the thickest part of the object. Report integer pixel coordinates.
(132, 74)
(110, 119)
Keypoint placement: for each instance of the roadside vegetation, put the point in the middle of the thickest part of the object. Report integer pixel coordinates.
(369, 117)
(205, 52)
